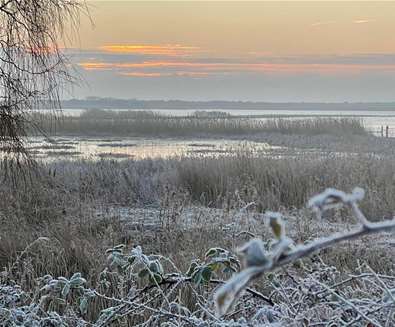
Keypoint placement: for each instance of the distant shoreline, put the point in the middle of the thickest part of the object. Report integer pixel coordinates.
(110, 103)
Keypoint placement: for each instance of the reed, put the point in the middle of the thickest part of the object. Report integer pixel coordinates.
(153, 124)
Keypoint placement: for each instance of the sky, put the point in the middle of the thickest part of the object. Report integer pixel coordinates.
(325, 51)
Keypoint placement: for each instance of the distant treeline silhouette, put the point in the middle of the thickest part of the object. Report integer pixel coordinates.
(114, 103)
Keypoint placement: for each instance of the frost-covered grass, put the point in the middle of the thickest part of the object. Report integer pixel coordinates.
(147, 123)
(189, 215)
(222, 182)
(94, 272)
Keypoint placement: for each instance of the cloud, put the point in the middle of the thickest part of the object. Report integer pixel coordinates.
(139, 74)
(171, 50)
(363, 21)
(185, 68)
(204, 65)
(329, 22)
(176, 74)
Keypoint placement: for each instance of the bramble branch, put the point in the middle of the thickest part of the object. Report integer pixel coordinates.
(259, 261)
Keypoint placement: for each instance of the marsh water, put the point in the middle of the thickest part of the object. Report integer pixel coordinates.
(137, 148)
(74, 147)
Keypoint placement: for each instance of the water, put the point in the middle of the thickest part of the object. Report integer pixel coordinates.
(136, 148)
(140, 148)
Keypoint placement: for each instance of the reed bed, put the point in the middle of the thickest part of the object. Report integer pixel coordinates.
(153, 124)
(223, 181)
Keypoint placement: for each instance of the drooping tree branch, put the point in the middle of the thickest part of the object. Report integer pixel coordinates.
(33, 69)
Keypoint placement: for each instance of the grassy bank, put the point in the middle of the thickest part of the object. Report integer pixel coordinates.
(146, 123)
(85, 208)
(179, 208)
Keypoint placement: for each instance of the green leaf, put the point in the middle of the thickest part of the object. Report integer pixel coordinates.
(197, 276)
(206, 274)
(114, 251)
(211, 252)
(153, 266)
(75, 276)
(214, 266)
(192, 268)
(66, 290)
(83, 305)
(214, 251)
(63, 280)
(155, 277)
(77, 281)
(156, 267)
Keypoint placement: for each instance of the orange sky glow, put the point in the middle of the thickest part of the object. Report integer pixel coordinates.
(204, 40)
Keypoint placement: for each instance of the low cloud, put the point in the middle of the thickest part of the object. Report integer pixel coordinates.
(144, 64)
(194, 68)
(171, 50)
(363, 21)
(175, 74)
(329, 22)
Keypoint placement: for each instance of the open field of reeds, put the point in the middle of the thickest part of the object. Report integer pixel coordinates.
(224, 182)
(148, 123)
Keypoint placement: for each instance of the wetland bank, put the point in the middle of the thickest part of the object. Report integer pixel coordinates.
(92, 192)
(197, 164)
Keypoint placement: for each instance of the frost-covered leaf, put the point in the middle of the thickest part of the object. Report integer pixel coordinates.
(389, 296)
(192, 268)
(77, 280)
(254, 254)
(156, 267)
(197, 276)
(83, 305)
(214, 251)
(276, 224)
(75, 276)
(332, 198)
(63, 280)
(206, 274)
(227, 294)
(66, 290)
(137, 251)
(155, 278)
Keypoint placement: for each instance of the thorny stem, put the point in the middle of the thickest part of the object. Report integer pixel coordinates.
(226, 295)
(323, 243)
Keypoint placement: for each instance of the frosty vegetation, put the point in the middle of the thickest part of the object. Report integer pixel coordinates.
(200, 124)
(142, 289)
